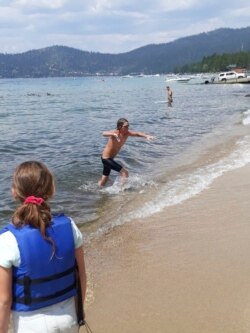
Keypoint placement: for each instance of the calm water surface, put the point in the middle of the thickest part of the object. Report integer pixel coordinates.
(60, 122)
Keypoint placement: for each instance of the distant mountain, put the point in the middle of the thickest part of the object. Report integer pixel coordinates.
(57, 61)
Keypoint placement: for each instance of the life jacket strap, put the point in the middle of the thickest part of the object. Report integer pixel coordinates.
(26, 281)
(27, 300)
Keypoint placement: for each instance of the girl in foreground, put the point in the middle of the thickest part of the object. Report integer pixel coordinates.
(38, 252)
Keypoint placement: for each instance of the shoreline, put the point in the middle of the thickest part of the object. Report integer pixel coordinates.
(185, 269)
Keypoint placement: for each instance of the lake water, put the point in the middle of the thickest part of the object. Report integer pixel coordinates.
(60, 121)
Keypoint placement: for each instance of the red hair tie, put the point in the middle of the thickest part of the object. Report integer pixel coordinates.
(33, 200)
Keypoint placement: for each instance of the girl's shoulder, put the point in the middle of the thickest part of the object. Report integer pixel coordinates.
(9, 252)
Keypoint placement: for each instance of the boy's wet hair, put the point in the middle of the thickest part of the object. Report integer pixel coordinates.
(121, 122)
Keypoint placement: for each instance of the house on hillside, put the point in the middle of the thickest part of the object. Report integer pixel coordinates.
(235, 68)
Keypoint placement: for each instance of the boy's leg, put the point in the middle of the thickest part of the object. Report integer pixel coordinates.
(124, 173)
(103, 180)
(124, 177)
(109, 164)
(105, 173)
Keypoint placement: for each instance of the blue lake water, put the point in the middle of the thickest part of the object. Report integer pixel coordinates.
(60, 122)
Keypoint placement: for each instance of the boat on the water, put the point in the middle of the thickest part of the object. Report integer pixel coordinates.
(127, 76)
(178, 79)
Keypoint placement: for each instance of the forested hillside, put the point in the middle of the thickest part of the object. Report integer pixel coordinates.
(217, 63)
(151, 59)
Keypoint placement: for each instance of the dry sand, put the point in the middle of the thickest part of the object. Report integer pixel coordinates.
(185, 270)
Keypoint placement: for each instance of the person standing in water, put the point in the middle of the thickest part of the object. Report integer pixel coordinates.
(116, 139)
(170, 96)
(38, 256)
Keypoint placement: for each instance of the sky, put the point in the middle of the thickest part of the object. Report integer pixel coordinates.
(112, 26)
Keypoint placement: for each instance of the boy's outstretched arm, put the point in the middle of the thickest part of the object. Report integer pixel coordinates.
(142, 135)
(111, 133)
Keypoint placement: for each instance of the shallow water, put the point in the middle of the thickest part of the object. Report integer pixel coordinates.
(60, 122)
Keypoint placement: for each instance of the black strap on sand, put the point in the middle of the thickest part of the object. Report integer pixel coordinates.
(79, 303)
(88, 329)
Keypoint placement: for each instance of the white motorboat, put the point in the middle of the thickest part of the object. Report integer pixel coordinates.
(127, 76)
(179, 79)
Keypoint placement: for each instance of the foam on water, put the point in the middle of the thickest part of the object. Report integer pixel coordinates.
(246, 118)
(89, 186)
(160, 102)
(134, 182)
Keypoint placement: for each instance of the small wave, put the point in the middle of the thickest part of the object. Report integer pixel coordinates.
(246, 121)
(246, 117)
(89, 186)
(134, 182)
(160, 102)
(246, 112)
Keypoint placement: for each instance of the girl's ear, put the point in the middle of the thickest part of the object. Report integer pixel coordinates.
(54, 189)
(13, 192)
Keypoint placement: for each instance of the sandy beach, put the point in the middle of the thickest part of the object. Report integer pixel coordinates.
(185, 270)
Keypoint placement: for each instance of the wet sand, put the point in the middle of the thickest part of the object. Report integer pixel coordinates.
(185, 270)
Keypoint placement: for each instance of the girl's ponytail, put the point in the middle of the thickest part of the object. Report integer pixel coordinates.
(33, 186)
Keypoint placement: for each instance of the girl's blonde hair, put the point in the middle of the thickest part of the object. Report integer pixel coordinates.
(33, 178)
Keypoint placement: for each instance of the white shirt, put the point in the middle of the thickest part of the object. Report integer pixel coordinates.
(9, 252)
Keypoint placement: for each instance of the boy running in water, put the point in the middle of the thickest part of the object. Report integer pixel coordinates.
(116, 140)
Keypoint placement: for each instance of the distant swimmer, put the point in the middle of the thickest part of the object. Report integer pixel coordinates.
(170, 96)
(33, 94)
(116, 139)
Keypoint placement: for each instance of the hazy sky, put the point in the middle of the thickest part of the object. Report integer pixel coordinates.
(112, 26)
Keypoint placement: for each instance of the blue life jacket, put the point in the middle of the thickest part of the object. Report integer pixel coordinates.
(43, 279)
